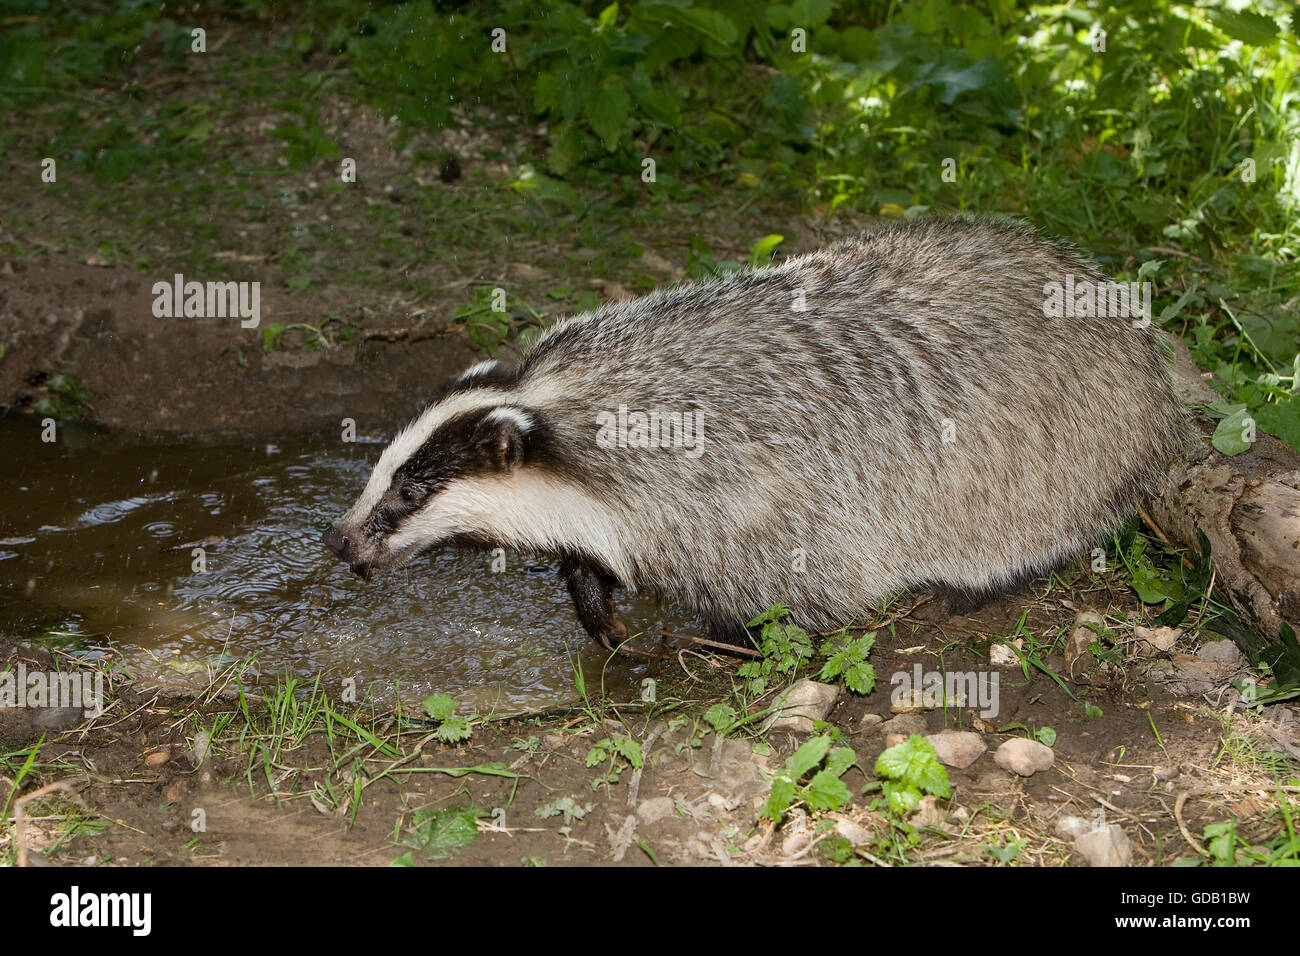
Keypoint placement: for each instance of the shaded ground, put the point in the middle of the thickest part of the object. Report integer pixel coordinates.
(207, 376)
(192, 176)
(296, 790)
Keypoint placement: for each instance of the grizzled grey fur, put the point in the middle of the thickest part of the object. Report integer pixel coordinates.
(921, 422)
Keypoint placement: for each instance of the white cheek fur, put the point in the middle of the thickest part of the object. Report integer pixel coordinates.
(524, 510)
(413, 436)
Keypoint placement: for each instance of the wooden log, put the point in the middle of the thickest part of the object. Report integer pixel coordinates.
(1247, 505)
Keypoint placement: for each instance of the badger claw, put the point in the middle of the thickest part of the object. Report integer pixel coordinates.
(612, 637)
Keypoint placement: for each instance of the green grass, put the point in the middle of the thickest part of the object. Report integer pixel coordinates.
(1170, 156)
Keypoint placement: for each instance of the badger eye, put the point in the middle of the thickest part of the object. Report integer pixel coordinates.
(408, 493)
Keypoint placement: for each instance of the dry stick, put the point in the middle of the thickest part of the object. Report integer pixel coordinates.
(1175, 252)
(1164, 538)
(717, 645)
(407, 333)
(634, 785)
(710, 661)
(1178, 815)
(627, 649)
(879, 624)
(812, 845)
(1106, 803)
(682, 664)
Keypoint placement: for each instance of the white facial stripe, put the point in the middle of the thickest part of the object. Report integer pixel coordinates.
(411, 438)
(523, 421)
(478, 369)
(523, 510)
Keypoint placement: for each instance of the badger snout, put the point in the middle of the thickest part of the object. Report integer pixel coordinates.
(345, 549)
(337, 541)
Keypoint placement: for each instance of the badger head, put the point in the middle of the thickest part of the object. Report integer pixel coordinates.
(477, 466)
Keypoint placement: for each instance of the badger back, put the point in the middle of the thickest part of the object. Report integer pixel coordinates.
(900, 408)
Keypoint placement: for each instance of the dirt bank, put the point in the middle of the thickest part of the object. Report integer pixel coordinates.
(209, 376)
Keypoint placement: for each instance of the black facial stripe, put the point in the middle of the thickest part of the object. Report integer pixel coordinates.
(461, 447)
(503, 376)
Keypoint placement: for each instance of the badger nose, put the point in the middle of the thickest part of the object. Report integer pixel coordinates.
(336, 541)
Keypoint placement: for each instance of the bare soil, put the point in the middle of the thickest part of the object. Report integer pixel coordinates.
(1161, 767)
(207, 376)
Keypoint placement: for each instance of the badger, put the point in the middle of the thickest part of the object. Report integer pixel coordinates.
(936, 404)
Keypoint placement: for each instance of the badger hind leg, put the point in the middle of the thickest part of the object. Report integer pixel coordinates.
(960, 600)
(726, 629)
(592, 590)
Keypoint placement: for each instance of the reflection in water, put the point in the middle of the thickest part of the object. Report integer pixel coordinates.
(96, 539)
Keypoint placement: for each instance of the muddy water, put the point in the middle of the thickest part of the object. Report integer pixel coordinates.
(96, 552)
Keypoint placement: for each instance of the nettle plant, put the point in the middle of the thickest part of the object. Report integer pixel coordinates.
(611, 82)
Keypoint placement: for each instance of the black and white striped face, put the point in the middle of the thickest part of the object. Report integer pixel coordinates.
(475, 466)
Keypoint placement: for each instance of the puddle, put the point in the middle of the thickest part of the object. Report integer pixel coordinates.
(96, 551)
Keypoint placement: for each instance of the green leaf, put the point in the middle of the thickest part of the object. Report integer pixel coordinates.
(1149, 584)
(780, 799)
(630, 751)
(932, 778)
(902, 799)
(1246, 26)
(454, 730)
(760, 253)
(826, 791)
(840, 759)
(608, 17)
(658, 105)
(570, 808)
(721, 717)
(848, 657)
(1281, 419)
(439, 706)
(566, 148)
(860, 678)
(272, 336)
(914, 764)
(772, 614)
(1229, 436)
(709, 24)
(441, 833)
(811, 13)
(608, 110)
(808, 756)
(543, 188)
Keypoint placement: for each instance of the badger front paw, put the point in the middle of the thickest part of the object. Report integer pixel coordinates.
(612, 635)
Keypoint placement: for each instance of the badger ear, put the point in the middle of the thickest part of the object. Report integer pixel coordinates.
(503, 437)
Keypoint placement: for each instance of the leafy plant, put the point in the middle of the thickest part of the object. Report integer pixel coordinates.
(909, 771)
(452, 729)
(824, 790)
(722, 718)
(67, 397)
(784, 648)
(442, 832)
(620, 752)
(847, 658)
(567, 807)
(488, 323)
